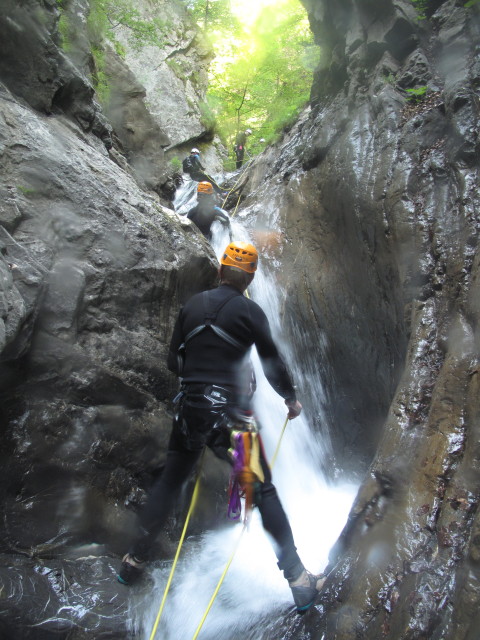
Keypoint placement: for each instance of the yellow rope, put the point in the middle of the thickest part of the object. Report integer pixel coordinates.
(174, 565)
(182, 537)
(235, 184)
(230, 560)
(219, 584)
(279, 443)
(236, 206)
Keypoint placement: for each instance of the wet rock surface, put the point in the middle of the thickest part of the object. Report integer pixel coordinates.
(67, 599)
(375, 193)
(88, 263)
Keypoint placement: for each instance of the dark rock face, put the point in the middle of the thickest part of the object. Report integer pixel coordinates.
(377, 193)
(137, 131)
(34, 68)
(93, 272)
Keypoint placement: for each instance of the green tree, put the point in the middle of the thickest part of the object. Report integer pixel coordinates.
(261, 77)
(107, 16)
(213, 14)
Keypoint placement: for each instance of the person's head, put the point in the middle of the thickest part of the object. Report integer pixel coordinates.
(248, 132)
(195, 152)
(204, 189)
(238, 265)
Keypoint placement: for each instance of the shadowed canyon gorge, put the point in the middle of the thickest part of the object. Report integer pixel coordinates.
(375, 192)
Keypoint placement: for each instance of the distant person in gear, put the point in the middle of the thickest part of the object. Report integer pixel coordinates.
(194, 168)
(210, 345)
(206, 211)
(239, 148)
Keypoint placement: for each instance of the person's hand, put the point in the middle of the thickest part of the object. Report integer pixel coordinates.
(294, 408)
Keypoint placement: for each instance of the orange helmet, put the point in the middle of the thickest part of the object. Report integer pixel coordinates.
(241, 255)
(205, 187)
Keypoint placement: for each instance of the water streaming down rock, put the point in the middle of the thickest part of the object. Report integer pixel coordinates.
(254, 594)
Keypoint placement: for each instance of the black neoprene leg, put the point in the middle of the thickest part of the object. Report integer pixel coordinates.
(275, 521)
(164, 494)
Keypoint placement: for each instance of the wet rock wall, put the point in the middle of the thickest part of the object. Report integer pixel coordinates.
(93, 269)
(377, 197)
(376, 188)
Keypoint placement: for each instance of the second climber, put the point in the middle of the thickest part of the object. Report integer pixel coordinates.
(195, 169)
(205, 212)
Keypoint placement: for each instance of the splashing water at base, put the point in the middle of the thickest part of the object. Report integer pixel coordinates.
(254, 592)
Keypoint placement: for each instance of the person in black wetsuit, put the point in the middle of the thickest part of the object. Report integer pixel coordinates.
(239, 146)
(205, 212)
(209, 348)
(193, 166)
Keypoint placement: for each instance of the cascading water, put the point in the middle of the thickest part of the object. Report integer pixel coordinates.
(254, 592)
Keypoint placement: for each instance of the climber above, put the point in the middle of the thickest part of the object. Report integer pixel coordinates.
(205, 212)
(194, 168)
(209, 350)
(239, 147)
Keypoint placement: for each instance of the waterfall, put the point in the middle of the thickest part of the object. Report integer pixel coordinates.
(254, 593)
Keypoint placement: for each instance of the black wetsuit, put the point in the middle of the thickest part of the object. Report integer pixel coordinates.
(204, 214)
(197, 173)
(212, 391)
(239, 148)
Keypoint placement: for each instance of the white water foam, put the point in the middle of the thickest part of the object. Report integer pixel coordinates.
(317, 512)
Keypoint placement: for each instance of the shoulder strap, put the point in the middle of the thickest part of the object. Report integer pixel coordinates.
(210, 315)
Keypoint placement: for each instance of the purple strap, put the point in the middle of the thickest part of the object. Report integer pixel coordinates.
(238, 455)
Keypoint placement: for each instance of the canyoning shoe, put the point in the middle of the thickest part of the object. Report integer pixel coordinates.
(306, 588)
(131, 569)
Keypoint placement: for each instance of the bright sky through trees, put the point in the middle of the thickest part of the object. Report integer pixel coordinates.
(265, 57)
(247, 11)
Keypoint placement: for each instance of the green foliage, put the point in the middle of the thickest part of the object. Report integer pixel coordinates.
(470, 3)
(176, 67)
(176, 164)
(106, 16)
(421, 6)
(418, 94)
(213, 14)
(262, 73)
(64, 29)
(104, 19)
(25, 190)
(208, 118)
(100, 77)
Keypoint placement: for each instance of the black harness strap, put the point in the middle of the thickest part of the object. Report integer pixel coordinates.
(210, 317)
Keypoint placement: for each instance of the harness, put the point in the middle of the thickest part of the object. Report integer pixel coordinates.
(210, 315)
(247, 470)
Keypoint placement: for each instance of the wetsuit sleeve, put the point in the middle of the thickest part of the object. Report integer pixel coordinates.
(175, 342)
(273, 364)
(222, 215)
(198, 165)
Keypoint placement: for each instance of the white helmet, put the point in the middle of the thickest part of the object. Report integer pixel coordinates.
(248, 131)
(194, 151)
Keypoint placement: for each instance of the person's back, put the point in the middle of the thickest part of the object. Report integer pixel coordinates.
(213, 359)
(210, 358)
(203, 214)
(239, 147)
(206, 211)
(210, 341)
(241, 139)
